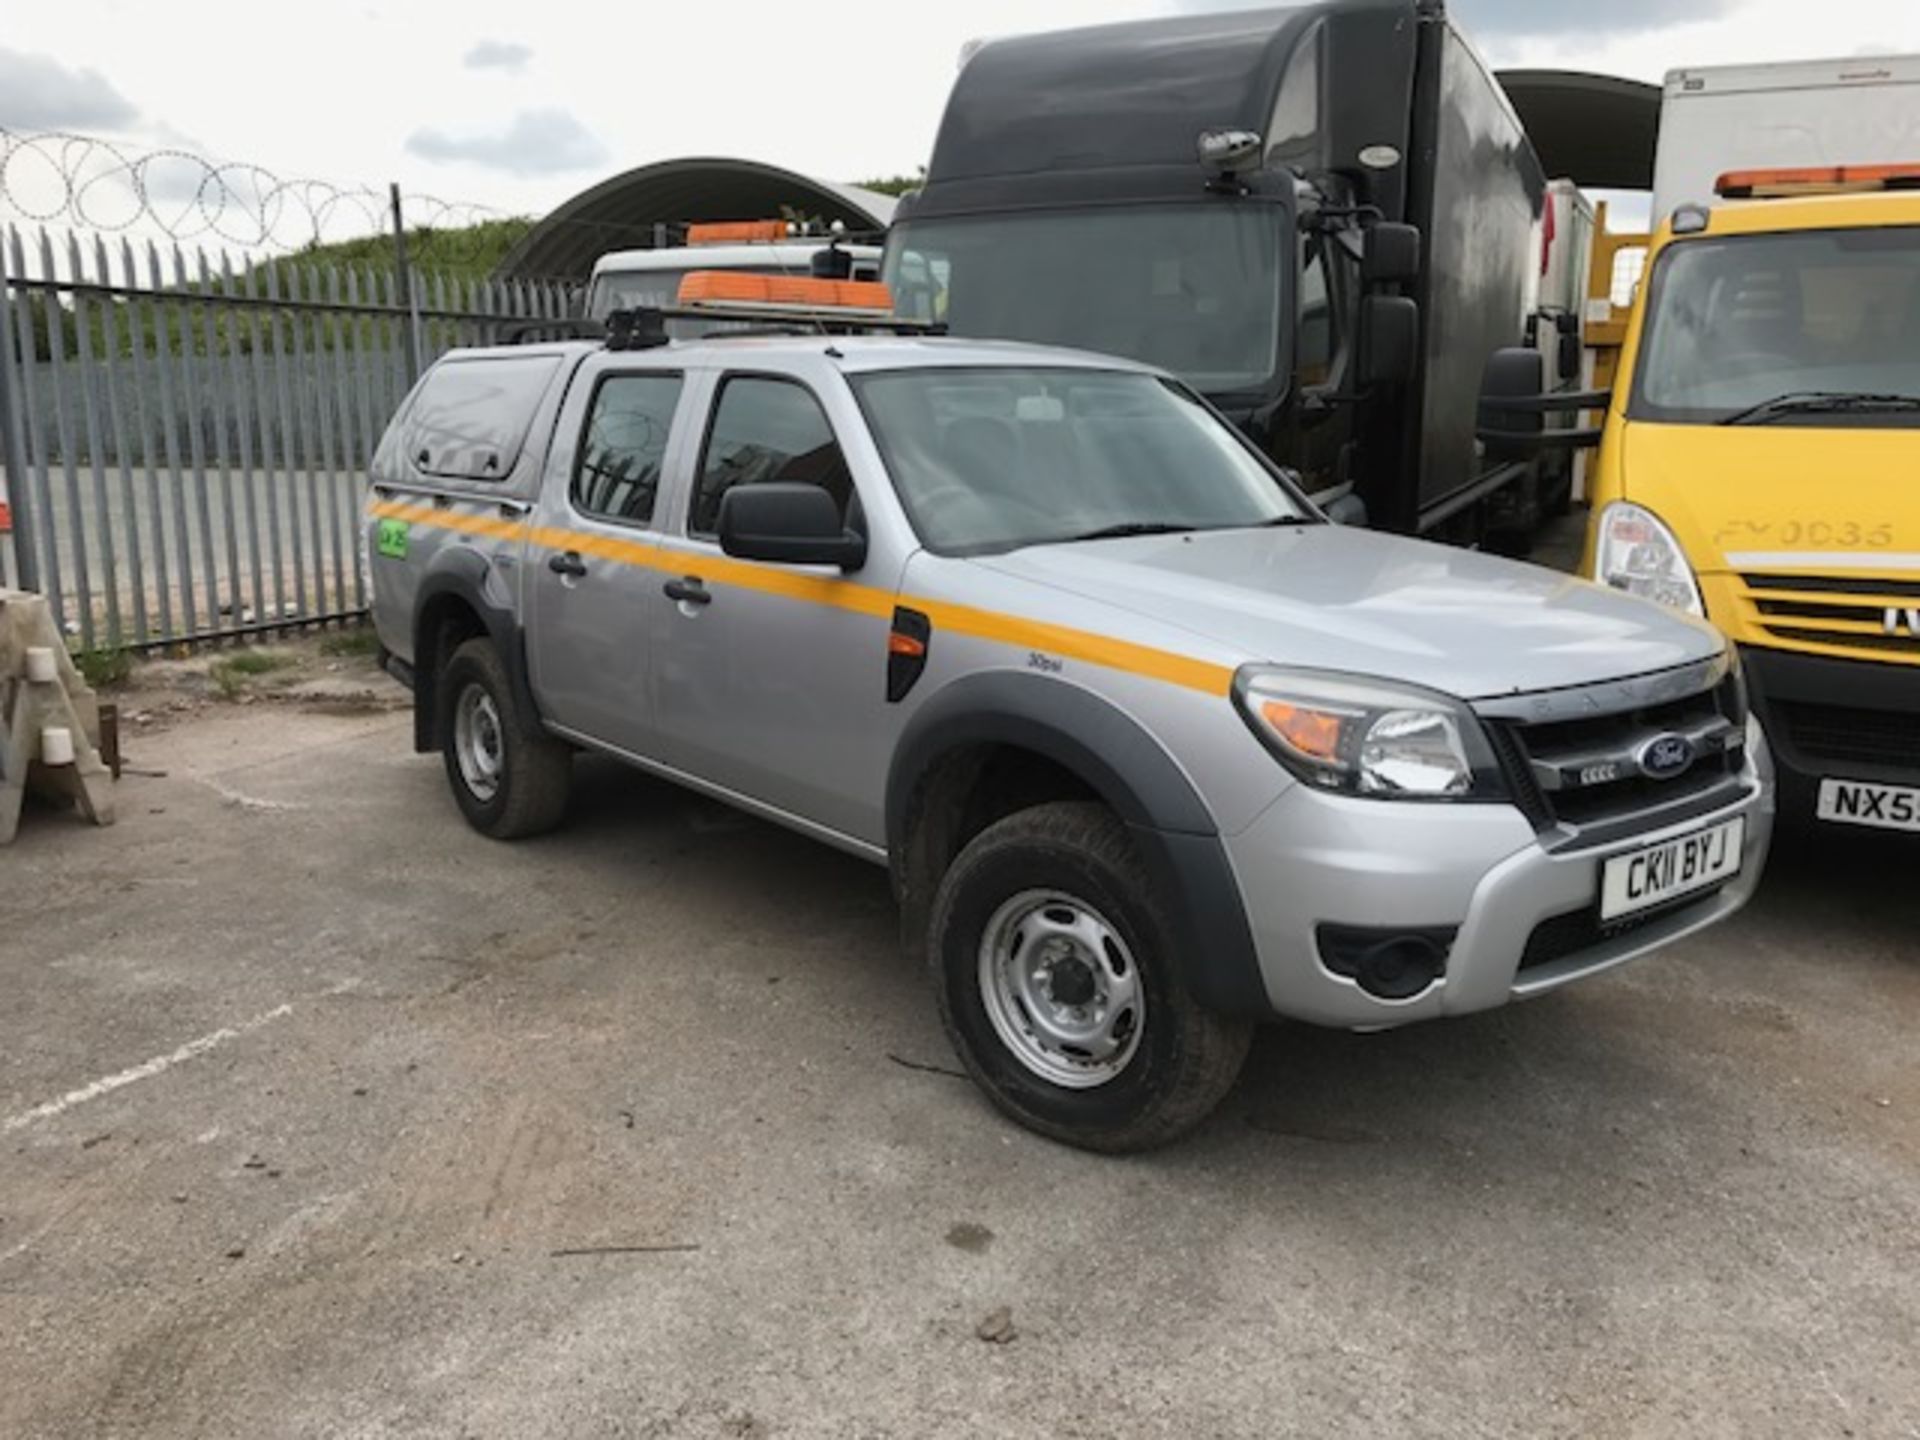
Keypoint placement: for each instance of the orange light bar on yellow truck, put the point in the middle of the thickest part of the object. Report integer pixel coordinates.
(1816, 180)
(734, 290)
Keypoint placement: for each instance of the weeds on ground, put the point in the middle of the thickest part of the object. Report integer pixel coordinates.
(231, 672)
(360, 640)
(103, 668)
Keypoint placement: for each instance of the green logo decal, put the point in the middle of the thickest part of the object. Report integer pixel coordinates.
(391, 539)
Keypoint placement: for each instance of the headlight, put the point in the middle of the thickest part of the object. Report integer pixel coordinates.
(1367, 737)
(1638, 554)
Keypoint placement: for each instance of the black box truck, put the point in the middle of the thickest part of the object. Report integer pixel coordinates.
(1326, 218)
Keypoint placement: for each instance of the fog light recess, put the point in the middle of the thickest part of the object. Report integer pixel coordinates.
(1388, 962)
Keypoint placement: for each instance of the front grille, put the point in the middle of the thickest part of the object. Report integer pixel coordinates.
(1527, 793)
(1560, 936)
(1848, 734)
(1835, 585)
(1837, 611)
(1880, 643)
(1584, 773)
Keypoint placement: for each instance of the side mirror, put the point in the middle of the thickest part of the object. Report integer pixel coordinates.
(1393, 254)
(792, 523)
(1346, 509)
(1389, 340)
(1515, 403)
(1518, 372)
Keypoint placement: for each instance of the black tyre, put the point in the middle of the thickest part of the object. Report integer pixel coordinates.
(509, 779)
(1053, 965)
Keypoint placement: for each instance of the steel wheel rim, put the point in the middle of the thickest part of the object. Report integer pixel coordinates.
(1061, 989)
(478, 745)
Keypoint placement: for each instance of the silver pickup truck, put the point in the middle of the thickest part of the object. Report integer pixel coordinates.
(1152, 751)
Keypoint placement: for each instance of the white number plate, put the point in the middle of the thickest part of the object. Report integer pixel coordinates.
(1854, 802)
(1659, 873)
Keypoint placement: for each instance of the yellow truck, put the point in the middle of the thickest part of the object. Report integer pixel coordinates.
(1760, 464)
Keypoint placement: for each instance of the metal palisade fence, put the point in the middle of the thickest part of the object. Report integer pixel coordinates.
(185, 438)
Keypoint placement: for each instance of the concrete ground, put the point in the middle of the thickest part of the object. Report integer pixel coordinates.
(322, 1116)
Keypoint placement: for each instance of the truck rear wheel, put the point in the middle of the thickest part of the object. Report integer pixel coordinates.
(1053, 967)
(509, 779)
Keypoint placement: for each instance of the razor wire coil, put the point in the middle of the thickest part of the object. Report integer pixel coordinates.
(90, 183)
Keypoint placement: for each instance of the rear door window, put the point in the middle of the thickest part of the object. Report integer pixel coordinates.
(471, 417)
(766, 429)
(625, 446)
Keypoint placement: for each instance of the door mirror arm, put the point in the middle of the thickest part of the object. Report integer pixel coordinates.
(1515, 403)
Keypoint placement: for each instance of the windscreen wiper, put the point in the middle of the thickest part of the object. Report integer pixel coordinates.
(1823, 402)
(1134, 527)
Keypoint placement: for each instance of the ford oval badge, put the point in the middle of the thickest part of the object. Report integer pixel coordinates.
(1665, 756)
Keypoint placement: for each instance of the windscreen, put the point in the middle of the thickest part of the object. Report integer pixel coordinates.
(633, 290)
(1194, 289)
(1737, 322)
(647, 290)
(993, 459)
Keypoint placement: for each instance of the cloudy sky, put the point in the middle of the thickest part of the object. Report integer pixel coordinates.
(518, 105)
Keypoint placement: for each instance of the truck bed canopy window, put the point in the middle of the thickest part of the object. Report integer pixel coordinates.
(470, 418)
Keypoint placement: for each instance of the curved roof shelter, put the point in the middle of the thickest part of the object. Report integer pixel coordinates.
(1596, 130)
(620, 214)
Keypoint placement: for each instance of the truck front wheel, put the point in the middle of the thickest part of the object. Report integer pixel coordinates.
(508, 778)
(1052, 961)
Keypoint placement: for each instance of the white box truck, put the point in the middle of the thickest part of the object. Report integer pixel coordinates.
(1859, 111)
(1559, 324)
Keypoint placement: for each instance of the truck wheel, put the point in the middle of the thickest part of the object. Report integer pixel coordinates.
(1054, 972)
(508, 780)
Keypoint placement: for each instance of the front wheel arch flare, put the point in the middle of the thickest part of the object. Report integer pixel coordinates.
(1118, 762)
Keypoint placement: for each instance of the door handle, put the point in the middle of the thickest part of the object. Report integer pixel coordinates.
(690, 591)
(568, 563)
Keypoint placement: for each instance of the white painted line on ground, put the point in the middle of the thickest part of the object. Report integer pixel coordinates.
(159, 1065)
(245, 802)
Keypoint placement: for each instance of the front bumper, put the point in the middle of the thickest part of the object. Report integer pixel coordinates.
(1838, 718)
(1313, 860)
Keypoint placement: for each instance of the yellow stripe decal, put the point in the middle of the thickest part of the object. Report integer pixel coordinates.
(991, 625)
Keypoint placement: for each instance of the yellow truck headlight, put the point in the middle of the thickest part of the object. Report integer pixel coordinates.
(1637, 553)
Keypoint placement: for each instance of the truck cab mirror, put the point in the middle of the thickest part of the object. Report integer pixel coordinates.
(1389, 340)
(1516, 373)
(795, 524)
(1515, 403)
(1392, 255)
